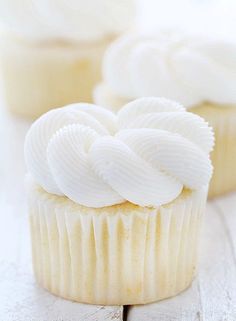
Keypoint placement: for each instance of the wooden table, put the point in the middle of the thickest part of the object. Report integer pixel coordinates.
(212, 296)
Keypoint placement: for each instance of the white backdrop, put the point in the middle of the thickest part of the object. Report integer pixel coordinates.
(216, 17)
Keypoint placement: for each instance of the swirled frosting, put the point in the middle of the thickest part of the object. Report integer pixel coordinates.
(71, 19)
(145, 155)
(188, 69)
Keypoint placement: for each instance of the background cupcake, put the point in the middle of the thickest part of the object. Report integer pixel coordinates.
(51, 51)
(199, 72)
(116, 202)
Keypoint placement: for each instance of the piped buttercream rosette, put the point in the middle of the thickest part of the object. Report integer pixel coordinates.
(145, 155)
(184, 67)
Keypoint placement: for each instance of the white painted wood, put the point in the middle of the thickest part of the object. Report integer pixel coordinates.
(20, 297)
(212, 296)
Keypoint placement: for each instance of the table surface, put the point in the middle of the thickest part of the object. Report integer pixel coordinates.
(212, 296)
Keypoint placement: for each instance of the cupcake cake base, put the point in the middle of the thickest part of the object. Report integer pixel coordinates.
(40, 76)
(223, 120)
(117, 255)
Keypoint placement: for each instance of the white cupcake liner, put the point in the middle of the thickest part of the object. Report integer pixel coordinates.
(119, 255)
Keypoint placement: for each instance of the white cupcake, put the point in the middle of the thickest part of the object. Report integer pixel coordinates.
(116, 202)
(198, 72)
(51, 51)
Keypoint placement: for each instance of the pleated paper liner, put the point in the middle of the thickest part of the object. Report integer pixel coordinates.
(119, 255)
(223, 120)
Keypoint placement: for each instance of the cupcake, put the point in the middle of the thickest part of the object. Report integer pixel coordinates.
(51, 51)
(116, 201)
(198, 72)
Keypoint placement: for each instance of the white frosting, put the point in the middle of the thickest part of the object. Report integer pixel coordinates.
(146, 154)
(188, 69)
(73, 19)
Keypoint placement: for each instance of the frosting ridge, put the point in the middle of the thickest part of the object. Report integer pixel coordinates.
(188, 69)
(145, 155)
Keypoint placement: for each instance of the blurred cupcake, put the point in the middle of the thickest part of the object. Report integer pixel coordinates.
(198, 72)
(116, 202)
(51, 51)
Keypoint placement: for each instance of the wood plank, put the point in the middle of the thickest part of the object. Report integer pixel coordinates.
(212, 296)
